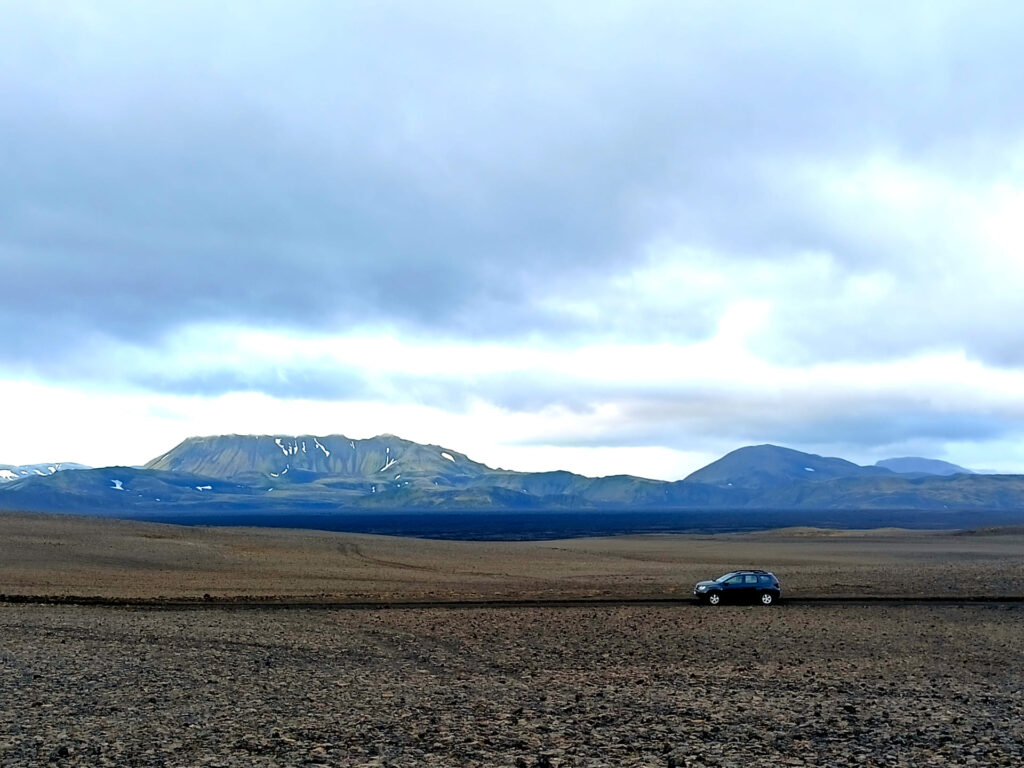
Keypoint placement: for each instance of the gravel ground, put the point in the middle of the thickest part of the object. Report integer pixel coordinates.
(826, 685)
(64, 555)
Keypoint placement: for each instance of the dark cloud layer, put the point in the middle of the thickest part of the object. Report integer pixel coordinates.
(528, 176)
(328, 167)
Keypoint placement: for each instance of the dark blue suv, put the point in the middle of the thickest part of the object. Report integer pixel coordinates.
(740, 587)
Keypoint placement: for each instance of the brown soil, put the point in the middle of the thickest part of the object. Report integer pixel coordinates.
(51, 555)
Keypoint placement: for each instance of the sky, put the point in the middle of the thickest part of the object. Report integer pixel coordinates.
(602, 237)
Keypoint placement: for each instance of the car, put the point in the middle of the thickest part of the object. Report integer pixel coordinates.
(740, 587)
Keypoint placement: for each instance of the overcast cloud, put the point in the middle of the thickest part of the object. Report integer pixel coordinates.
(613, 236)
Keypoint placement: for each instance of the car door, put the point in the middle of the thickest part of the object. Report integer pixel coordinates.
(732, 589)
(749, 587)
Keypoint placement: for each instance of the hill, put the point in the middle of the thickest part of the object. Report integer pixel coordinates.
(763, 467)
(918, 465)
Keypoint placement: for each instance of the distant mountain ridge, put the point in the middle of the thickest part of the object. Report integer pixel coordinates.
(918, 465)
(12, 472)
(389, 471)
(257, 474)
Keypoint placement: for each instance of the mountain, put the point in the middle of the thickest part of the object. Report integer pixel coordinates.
(275, 456)
(762, 467)
(750, 487)
(911, 465)
(11, 472)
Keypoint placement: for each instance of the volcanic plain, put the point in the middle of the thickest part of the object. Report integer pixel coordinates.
(235, 652)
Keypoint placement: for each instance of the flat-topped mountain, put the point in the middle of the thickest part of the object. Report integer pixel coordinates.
(292, 457)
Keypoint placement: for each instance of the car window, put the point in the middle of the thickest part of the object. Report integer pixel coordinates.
(750, 578)
(735, 580)
(766, 580)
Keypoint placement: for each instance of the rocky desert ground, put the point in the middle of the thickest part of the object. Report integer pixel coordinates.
(819, 685)
(213, 683)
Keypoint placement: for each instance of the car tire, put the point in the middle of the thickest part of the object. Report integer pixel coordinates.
(714, 598)
(767, 598)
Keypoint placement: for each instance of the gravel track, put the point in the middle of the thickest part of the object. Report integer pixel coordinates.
(270, 603)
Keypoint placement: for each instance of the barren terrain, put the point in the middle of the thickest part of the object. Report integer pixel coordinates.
(590, 685)
(671, 685)
(59, 555)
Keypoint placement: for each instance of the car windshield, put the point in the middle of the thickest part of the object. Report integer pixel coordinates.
(726, 577)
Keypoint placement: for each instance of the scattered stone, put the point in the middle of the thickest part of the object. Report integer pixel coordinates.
(595, 687)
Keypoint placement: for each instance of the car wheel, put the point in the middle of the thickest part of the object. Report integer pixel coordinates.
(767, 598)
(714, 598)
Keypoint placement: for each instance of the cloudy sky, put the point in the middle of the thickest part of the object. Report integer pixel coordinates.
(605, 237)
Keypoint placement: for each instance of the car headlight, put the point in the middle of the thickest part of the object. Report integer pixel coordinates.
(702, 588)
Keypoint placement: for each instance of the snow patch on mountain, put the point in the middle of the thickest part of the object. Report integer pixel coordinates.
(12, 472)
